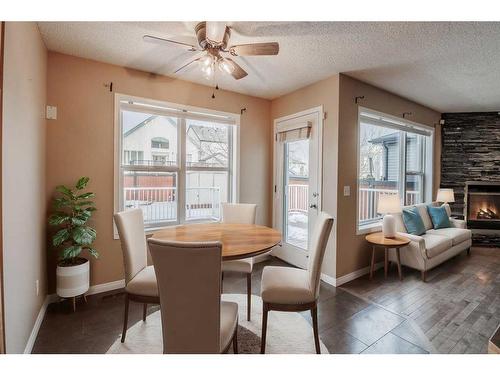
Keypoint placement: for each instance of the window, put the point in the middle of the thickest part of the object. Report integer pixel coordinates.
(395, 157)
(133, 157)
(174, 163)
(159, 142)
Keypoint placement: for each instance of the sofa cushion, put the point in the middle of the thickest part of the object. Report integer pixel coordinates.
(426, 219)
(436, 244)
(413, 221)
(456, 235)
(439, 217)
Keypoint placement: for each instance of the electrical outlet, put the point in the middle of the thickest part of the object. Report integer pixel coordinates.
(347, 191)
(37, 286)
(51, 113)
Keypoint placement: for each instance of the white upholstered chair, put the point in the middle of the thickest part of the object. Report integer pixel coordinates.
(293, 289)
(140, 279)
(240, 213)
(194, 320)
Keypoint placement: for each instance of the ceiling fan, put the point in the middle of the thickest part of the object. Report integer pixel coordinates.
(213, 39)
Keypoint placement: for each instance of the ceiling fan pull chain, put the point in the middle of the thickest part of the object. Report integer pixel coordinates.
(215, 82)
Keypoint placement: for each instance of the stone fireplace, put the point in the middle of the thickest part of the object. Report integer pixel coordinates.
(470, 165)
(482, 205)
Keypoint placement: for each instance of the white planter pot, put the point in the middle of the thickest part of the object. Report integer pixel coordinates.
(73, 281)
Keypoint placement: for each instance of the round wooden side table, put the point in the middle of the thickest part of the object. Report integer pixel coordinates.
(378, 240)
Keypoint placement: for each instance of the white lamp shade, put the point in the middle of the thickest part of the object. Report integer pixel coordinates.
(445, 196)
(389, 204)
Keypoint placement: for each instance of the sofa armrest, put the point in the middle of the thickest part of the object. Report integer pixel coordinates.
(456, 223)
(417, 243)
(412, 237)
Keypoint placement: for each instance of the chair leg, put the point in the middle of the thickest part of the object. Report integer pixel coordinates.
(125, 318)
(314, 315)
(264, 328)
(144, 312)
(249, 295)
(235, 341)
(424, 275)
(468, 251)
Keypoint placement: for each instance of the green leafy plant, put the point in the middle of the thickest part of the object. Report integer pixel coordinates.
(73, 210)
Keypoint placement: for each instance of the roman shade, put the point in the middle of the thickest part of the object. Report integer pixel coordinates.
(300, 131)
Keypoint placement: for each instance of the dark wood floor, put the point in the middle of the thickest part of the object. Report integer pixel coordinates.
(454, 312)
(458, 308)
(347, 323)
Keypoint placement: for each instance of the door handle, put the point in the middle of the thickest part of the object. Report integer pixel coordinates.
(314, 205)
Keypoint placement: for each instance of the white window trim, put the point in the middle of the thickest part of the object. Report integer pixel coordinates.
(428, 162)
(177, 110)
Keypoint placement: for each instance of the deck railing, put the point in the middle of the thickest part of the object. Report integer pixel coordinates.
(368, 199)
(159, 204)
(297, 198)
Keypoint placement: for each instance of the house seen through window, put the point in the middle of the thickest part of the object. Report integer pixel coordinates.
(395, 157)
(175, 165)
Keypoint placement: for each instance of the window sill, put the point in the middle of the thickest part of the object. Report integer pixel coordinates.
(369, 228)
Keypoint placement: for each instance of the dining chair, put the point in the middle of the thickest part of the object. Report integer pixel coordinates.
(140, 279)
(294, 289)
(240, 213)
(193, 318)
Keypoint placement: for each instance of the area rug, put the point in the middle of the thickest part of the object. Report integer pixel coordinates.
(287, 332)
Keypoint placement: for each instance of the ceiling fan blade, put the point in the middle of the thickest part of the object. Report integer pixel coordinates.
(215, 31)
(254, 49)
(186, 65)
(237, 72)
(167, 42)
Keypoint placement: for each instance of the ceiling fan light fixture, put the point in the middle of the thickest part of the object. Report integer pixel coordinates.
(206, 60)
(208, 71)
(226, 67)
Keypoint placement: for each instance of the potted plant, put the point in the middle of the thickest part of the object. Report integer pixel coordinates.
(74, 236)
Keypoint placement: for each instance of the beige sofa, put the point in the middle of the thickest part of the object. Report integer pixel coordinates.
(433, 247)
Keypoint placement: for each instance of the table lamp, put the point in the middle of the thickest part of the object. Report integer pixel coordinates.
(445, 196)
(389, 204)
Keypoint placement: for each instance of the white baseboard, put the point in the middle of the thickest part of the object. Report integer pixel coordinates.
(94, 289)
(106, 287)
(354, 275)
(328, 279)
(36, 326)
(51, 298)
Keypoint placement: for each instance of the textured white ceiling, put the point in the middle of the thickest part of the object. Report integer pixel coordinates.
(447, 66)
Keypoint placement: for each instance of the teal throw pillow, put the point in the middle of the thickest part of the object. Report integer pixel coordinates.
(439, 217)
(413, 222)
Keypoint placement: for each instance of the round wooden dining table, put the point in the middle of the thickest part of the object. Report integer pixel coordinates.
(238, 240)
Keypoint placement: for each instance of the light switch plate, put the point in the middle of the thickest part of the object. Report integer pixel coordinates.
(347, 191)
(51, 112)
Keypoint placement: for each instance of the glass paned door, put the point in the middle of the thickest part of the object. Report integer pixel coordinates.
(297, 177)
(296, 189)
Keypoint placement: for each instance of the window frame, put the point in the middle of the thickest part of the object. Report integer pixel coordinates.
(182, 113)
(426, 161)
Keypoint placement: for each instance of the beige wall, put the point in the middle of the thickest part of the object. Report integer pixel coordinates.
(23, 176)
(325, 93)
(348, 252)
(80, 141)
(352, 249)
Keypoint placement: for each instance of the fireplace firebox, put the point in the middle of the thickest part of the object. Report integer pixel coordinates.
(482, 205)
